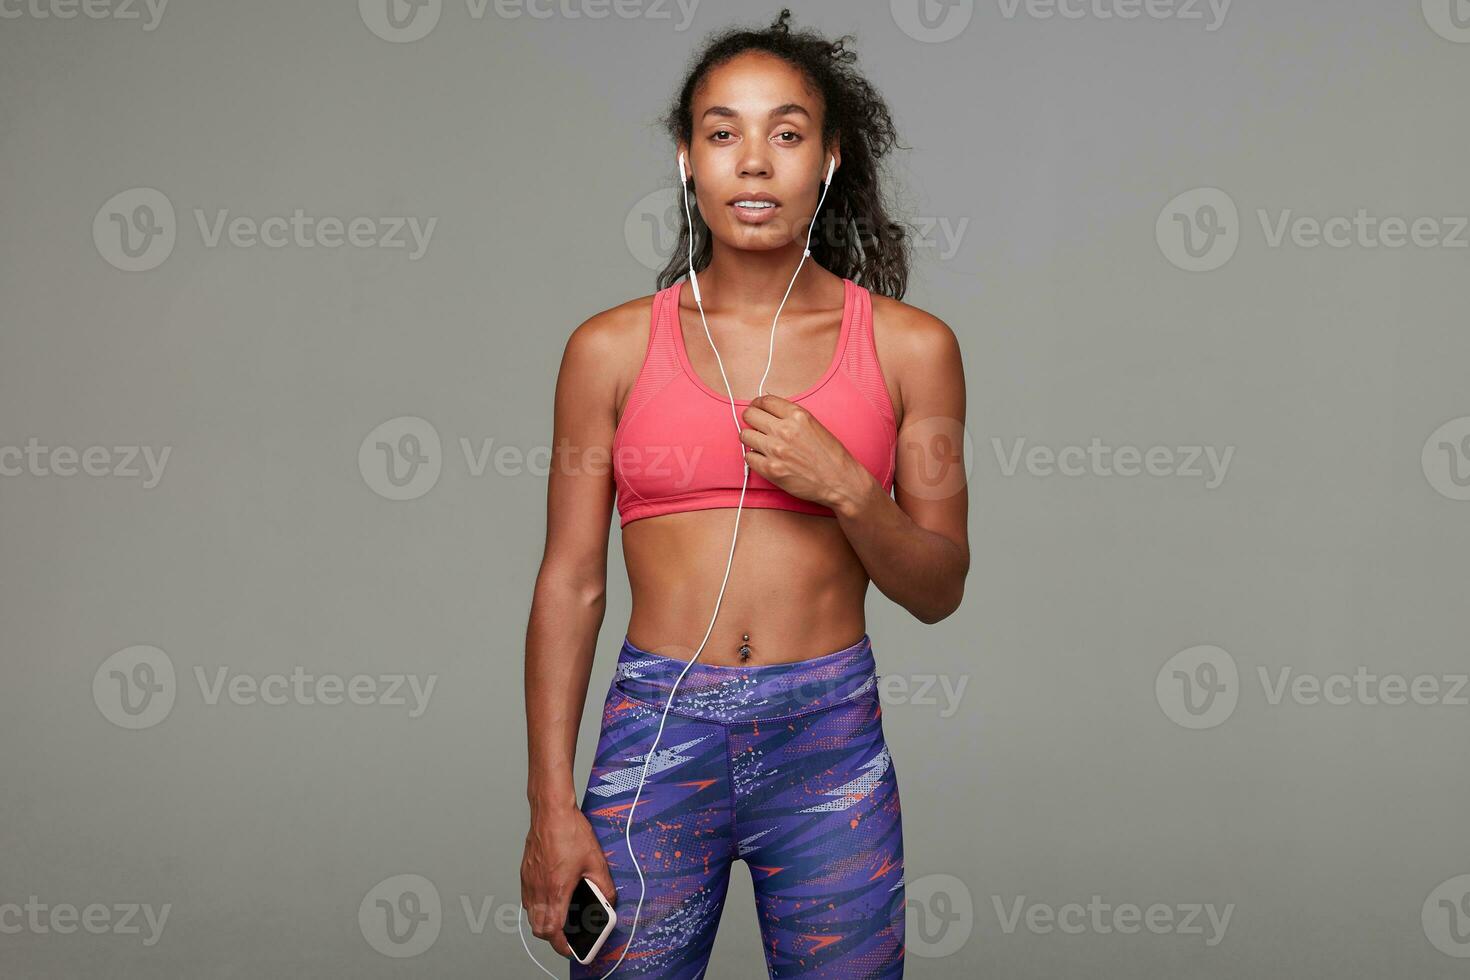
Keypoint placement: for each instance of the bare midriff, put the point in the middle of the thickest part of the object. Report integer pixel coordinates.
(795, 591)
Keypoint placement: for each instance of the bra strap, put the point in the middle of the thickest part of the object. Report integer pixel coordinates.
(860, 360)
(661, 360)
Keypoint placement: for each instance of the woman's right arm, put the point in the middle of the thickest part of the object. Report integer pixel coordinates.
(566, 613)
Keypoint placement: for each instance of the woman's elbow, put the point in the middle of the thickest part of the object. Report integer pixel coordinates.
(940, 606)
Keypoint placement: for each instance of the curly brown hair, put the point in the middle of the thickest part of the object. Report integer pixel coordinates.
(856, 238)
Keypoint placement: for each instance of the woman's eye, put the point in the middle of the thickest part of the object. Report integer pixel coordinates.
(794, 137)
(723, 132)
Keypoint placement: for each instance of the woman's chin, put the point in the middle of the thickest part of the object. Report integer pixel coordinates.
(759, 238)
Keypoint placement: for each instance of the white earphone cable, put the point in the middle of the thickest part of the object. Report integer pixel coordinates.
(729, 560)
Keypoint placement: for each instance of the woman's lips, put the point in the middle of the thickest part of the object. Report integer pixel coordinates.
(754, 216)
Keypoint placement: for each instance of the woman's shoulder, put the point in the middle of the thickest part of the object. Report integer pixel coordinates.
(906, 332)
(918, 352)
(609, 333)
(605, 352)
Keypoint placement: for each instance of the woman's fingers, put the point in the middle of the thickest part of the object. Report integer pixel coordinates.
(600, 876)
(559, 902)
(774, 405)
(757, 440)
(758, 418)
(548, 915)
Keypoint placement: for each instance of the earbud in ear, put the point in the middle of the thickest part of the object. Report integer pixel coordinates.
(683, 179)
(831, 168)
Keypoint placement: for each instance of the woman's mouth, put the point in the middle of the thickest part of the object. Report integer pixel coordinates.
(754, 211)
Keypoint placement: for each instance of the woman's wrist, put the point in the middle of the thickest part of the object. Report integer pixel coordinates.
(551, 796)
(851, 496)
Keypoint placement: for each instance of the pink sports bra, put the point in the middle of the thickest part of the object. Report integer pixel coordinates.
(676, 447)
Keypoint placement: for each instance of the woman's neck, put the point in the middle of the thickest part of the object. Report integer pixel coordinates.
(758, 280)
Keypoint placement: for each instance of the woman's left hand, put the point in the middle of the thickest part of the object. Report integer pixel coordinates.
(792, 449)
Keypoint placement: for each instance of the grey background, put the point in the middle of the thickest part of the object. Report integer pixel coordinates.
(1060, 776)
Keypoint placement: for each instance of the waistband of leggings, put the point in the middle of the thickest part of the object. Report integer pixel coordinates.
(734, 694)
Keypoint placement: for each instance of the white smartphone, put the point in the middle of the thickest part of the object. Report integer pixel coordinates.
(590, 920)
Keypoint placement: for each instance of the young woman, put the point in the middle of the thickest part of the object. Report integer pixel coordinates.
(772, 747)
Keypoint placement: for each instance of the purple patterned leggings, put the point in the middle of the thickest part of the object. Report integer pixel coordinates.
(783, 766)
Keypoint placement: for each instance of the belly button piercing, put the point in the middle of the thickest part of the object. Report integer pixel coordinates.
(745, 647)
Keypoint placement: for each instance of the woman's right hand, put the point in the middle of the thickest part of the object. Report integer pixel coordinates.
(561, 849)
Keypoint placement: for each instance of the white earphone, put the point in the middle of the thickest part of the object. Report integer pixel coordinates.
(694, 287)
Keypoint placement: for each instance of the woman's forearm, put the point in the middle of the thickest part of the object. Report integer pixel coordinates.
(919, 569)
(560, 643)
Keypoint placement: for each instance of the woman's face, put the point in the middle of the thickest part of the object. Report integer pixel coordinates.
(756, 153)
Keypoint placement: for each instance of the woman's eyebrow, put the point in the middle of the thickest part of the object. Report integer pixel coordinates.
(790, 108)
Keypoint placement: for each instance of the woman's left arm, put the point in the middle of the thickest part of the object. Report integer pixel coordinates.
(914, 545)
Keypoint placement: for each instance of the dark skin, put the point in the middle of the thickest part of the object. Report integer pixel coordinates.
(798, 582)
